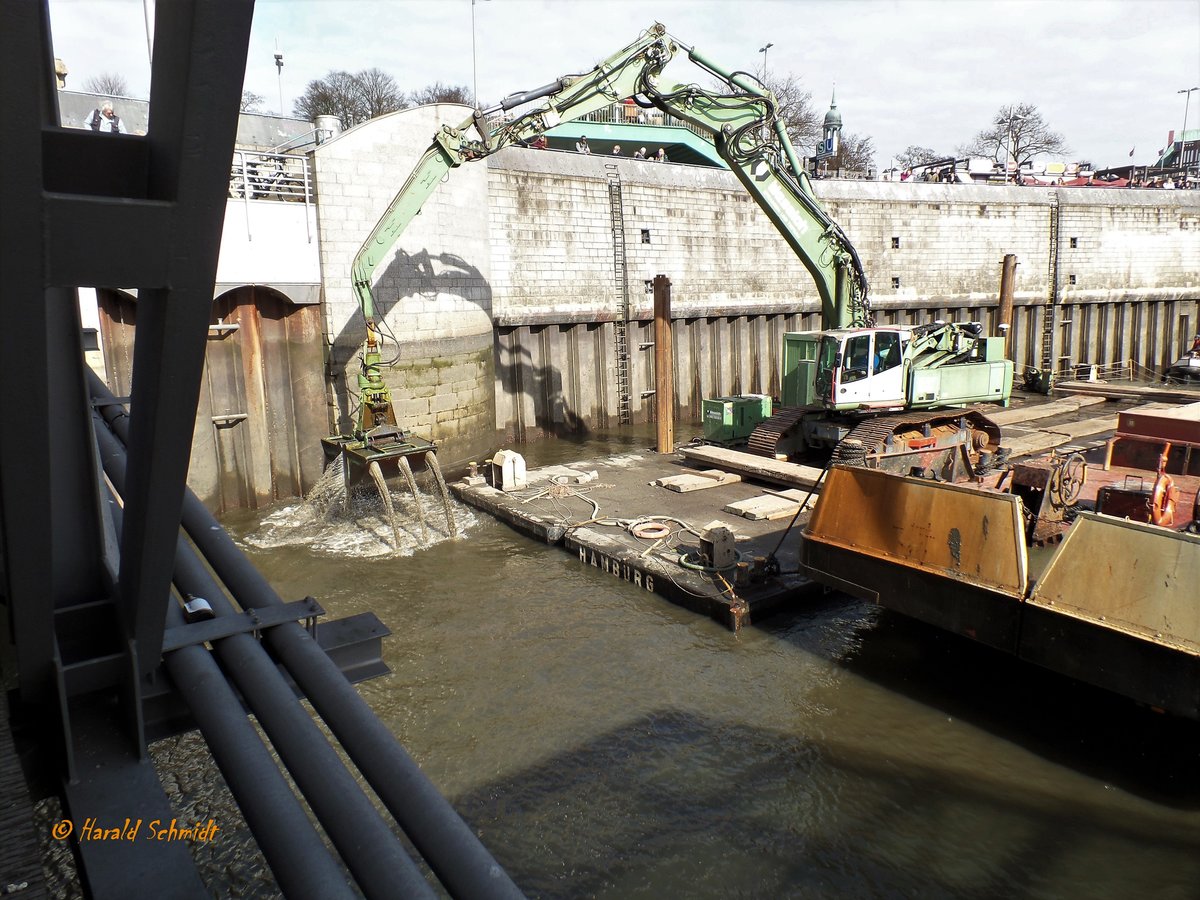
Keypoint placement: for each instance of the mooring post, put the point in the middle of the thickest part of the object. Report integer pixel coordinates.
(1008, 277)
(664, 366)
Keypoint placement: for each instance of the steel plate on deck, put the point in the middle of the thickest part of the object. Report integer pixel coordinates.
(955, 532)
(1127, 576)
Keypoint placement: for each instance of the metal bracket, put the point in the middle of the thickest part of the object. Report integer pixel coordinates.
(101, 403)
(253, 620)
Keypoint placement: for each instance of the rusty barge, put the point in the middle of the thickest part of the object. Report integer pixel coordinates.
(1096, 581)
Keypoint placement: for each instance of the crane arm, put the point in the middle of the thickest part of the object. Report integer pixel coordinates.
(622, 75)
(752, 139)
(742, 120)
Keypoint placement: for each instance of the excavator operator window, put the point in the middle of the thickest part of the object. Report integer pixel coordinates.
(887, 350)
(855, 358)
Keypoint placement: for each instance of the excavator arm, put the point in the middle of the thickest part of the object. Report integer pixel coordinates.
(622, 75)
(743, 122)
(752, 139)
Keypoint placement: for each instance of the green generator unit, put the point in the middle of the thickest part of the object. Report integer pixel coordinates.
(730, 419)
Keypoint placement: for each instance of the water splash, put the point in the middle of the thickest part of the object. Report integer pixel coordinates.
(432, 464)
(360, 524)
(407, 472)
(386, 496)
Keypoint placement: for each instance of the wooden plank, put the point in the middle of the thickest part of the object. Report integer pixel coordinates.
(697, 481)
(1026, 441)
(752, 466)
(768, 507)
(797, 495)
(1128, 391)
(1016, 414)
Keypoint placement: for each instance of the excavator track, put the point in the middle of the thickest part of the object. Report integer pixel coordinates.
(766, 437)
(871, 434)
(771, 437)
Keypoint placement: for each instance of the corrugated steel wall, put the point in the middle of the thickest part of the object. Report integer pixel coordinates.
(559, 379)
(262, 407)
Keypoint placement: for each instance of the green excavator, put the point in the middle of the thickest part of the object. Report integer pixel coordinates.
(902, 395)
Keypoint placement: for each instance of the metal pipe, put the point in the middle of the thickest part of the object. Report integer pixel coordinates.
(372, 851)
(527, 96)
(452, 850)
(733, 78)
(298, 857)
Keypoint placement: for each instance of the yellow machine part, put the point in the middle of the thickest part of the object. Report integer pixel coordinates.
(1126, 576)
(950, 531)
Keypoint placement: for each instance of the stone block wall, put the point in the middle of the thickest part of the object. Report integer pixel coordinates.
(1123, 283)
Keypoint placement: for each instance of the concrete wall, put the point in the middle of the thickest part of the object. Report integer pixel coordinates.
(552, 239)
(433, 292)
(1125, 288)
(270, 242)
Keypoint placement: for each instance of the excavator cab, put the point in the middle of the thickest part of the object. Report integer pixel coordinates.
(861, 369)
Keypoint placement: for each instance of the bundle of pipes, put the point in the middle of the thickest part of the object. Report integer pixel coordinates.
(372, 852)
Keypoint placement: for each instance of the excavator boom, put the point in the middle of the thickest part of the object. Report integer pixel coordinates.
(742, 121)
(741, 117)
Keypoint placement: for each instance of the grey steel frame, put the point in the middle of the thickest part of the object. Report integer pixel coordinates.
(88, 586)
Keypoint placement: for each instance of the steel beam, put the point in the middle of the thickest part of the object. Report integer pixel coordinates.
(25, 476)
(199, 49)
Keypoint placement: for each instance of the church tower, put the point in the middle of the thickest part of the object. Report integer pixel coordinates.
(832, 131)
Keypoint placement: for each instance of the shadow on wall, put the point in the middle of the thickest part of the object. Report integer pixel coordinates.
(543, 385)
(430, 275)
(408, 275)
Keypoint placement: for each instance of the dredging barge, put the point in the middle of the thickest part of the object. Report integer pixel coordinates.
(1108, 598)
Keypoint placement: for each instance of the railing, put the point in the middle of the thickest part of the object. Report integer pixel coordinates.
(1122, 370)
(270, 176)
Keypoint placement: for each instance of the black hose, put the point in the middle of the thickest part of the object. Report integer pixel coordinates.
(374, 854)
(446, 842)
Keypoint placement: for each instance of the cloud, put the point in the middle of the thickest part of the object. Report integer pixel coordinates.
(932, 73)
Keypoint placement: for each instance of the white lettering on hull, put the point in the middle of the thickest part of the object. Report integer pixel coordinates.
(616, 568)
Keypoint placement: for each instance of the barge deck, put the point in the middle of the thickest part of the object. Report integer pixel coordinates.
(592, 510)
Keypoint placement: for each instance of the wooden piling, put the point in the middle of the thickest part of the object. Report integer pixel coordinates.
(1008, 278)
(664, 366)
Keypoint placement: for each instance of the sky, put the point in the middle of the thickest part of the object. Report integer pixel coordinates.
(1106, 74)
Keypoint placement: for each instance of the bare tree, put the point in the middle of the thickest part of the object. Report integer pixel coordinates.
(1019, 129)
(796, 108)
(441, 93)
(251, 101)
(912, 156)
(337, 94)
(107, 83)
(379, 92)
(856, 153)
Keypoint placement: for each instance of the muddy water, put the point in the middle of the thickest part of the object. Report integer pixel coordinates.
(607, 744)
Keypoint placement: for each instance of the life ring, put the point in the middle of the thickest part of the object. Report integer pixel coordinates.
(1162, 501)
(650, 531)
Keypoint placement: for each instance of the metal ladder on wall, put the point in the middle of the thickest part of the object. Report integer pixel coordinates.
(1050, 319)
(621, 275)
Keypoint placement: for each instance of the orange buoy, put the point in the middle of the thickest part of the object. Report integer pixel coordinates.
(1162, 501)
